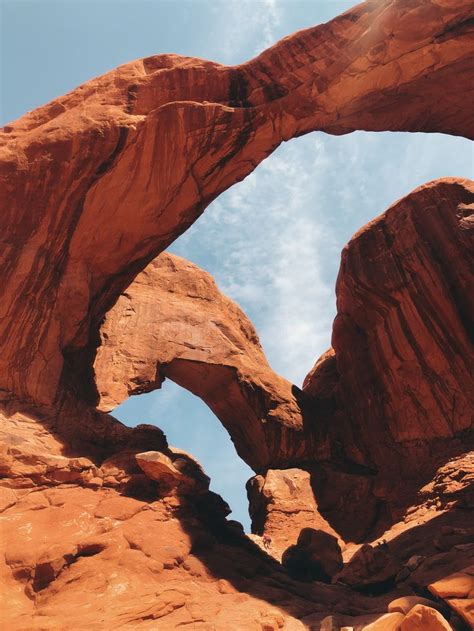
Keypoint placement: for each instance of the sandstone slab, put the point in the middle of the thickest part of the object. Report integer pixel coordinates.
(422, 618)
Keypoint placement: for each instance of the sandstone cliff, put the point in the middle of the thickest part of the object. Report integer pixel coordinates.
(363, 495)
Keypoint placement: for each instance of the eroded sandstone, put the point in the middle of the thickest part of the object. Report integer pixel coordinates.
(173, 322)
(396, 395)
(79, 167)
(377, 415)
(112, 524)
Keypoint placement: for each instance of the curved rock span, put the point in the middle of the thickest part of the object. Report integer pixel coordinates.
(114, 524)
(380, 412)
(161, 137)
(173, 322)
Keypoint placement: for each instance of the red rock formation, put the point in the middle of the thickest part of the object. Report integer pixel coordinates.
(78, 538)
(74, 171)
(282, 504)
(173, 322)
(113, 526)
(120, 549)
(379, 415)
(396, 394)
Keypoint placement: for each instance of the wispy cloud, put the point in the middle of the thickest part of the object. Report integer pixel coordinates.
(273, 241)
(245, 27)
(271, 245)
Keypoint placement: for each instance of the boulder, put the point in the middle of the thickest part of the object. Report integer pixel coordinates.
(371, 568)
(458, 591)
(282, 504)
(405, 604)
(182, 475)
(422, 618)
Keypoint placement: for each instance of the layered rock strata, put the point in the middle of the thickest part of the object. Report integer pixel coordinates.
(378, 414)
(396, 394)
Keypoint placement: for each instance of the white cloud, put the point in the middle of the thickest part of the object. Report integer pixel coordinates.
(245, 27)
(273, 241)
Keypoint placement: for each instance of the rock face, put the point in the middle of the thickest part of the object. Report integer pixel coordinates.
(134, 551)
(123, 557)
(396, 393)
(370, 567)
(316, 556)
(111, 523)
(173, 322)
(281, 505)
(377, 415)
(78, 168)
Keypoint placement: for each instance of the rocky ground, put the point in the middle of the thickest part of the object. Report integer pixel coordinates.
(140, 542)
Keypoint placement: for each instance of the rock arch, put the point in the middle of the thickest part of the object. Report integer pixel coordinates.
(94, 186)
(157, 139)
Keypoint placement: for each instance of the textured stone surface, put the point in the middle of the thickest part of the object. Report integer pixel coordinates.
(422, 618)
(131, 556)
(181, 475)
(387, 622)
(370, 567)
(111, 525)
(372, 622)
(458, 591)
(281, 505)
(79, 167)
(396, 394)
(149, 558)
(315, 556)
(405, 604)
(174, 322)
(401, 338)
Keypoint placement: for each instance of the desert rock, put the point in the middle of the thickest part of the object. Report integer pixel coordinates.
(113, 526)
(281, 505)
(79, 167)
(458, 591)
(422, 618)
(173, 322)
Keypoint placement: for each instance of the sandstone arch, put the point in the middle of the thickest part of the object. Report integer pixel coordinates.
(94, 186)
(172, 322)
(76, 170)
(382, 410)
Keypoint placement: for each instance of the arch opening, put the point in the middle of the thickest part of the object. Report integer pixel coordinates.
(241, 240)
(190, 425)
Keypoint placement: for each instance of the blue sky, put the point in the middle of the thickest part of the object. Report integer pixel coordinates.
(271, 242)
